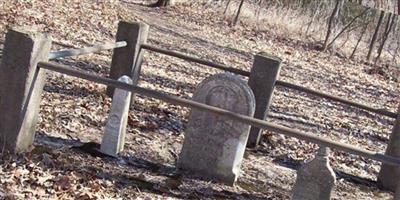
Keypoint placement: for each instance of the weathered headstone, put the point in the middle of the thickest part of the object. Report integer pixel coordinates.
(389, 175)
(214, 145)
(315, 179)
(21, 86)
(114, 137)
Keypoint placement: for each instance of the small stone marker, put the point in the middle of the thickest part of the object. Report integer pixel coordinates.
(114, 137)
(316, 179)
(214, 145)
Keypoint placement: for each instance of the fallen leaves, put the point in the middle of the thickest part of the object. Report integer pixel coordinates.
(73, 108)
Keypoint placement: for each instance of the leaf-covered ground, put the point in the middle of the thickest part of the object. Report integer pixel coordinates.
(74, 111)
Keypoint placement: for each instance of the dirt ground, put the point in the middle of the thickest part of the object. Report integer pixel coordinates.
(74, 112)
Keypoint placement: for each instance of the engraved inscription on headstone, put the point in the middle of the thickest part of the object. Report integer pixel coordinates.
(114, 137)
(316, 179)
(214, 145)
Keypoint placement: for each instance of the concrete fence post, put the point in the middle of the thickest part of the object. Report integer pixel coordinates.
(127, 60)
(389, 175)
(262, 80)
(396, 195)
(21, 86)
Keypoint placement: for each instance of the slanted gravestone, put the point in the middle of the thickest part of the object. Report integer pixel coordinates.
(316, 179)
(114, 137)
(214, 145)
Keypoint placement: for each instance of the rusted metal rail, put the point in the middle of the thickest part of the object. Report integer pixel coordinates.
(194, 59)
(336, 98)
(86, 50)
(279, 82)
(241, 118)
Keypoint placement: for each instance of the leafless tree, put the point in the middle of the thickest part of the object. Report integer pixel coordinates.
(363, 31)
(259, 8)
(388, 29)
(161, 3)
(315, 13)
(332, 22)
(227, 6)
(375, 35)
(347, 26)
(238, 12)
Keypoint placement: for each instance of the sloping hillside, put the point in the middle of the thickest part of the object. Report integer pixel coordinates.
(74, 111)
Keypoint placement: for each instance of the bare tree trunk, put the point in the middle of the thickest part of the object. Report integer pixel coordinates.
(227, 6)
(162, 3)
(359, 39)
(332, 21)
(398, 7)
(389, 24)
(315, 13)
(396, 50)
(375, 35)
(347, 26)
(259, 8)
(238, 13)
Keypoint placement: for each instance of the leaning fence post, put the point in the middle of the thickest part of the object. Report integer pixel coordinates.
(389, 175)
(21, 86)
(127, 60)
(262, 80)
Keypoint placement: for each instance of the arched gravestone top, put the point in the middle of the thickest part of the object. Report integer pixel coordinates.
(214, 145)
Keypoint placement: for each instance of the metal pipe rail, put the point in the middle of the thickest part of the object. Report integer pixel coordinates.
(336, 98)
(86, 50)
(278, 82)
(194, 59)
(241, 118)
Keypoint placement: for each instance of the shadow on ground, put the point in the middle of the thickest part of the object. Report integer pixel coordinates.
(170, 186)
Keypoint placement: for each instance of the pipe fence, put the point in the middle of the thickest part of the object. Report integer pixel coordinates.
(86, 50)
(190, 58)
(17, 127)
(63, 69)
(285, 84)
